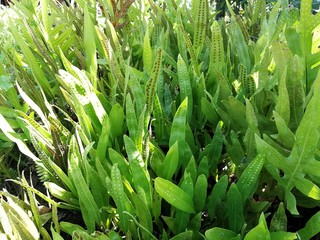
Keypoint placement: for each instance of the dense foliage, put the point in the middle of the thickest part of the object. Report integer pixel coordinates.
(155, 120)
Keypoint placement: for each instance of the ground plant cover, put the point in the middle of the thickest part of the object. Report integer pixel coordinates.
(142, 119)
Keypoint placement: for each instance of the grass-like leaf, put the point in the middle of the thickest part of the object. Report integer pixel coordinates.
(89, 208)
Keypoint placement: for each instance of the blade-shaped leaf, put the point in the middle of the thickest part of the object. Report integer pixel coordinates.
(174, 195)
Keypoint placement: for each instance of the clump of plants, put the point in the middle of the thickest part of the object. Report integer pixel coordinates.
(154, 120)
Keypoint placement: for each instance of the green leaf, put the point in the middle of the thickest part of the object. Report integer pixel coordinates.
(209, 111)
(215, 148)
(311, 228)
(89, 42)
(235, 209)
(239, 44)
(185, 85)
(190, 49)
(283, 236)
(200, 192)
(282, 57)
(203, 167)
(200, 24)
(137, 93)
(249, 178)
(183, 236)
(70, 227)
(60, 193)
(55, 235)
(217, 194)
(112, 61)
(303, 152)
(117, 45)
(63, 177)
(236, 111)
(97, 187)
(116, 117)
(131, 118)
(171, 162)
(260, 232)
(191, 169)
(132, 151)
(178, 128)
(147, 53)
(141, 181)
(5, 222)
(195, 222)
(32, 61)
(308, 22)
(88, 206)
(103, 140)
(182, 218)
(279, 220)
(33, 105)
(219, 233)
(152, 82)
(121, 200)
(259, 11)
(285, 135)
(159, 122)
(45, 17)
(141, 130)
(10, 133)
(251, 131)
(21, 223)
(234, 149)
(5, 83)
(122, 163)
(283, 104)
(296, 91)
(174, 195)
(144, 215)
(217, 55)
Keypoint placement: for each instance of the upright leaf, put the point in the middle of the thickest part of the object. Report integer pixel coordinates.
(152, 82)
(235, 209)
(171, 162)
(32, 61)
(200, 25)
(89, 42)
(178, 128)
(249, 178)
(260, 231)
(185, 85)
(279, 220)
(89, 208)
(283, 104)
(311, 228)
(147, 53)
(174, 195)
